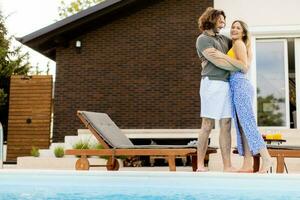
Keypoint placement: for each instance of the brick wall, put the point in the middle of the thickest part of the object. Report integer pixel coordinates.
(142, 69)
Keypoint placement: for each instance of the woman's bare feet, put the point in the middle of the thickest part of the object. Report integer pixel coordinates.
(265, 167)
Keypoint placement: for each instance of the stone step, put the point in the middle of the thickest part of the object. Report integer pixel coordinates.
(46, 153)
(54, 145)
(83, 132)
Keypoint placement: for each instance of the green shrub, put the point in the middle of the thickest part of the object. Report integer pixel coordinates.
(81, 145)
(59, 152)
(35, 151)
(3, 97)
(99, 146)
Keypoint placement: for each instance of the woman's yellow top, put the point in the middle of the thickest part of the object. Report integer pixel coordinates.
(231, 53)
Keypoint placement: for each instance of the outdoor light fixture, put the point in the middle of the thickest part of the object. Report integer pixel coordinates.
(78, 46)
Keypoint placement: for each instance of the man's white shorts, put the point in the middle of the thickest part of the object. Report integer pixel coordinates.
(215, 99)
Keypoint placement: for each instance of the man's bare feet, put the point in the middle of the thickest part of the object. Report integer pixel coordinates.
(230, 169)
(245, 170)
(265, 167)
(202, 169)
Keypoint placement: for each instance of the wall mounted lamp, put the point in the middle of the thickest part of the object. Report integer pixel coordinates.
(78, 46)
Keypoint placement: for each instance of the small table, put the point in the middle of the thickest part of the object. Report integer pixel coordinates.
(273, 141)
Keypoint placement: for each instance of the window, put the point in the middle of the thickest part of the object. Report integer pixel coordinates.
(272, 83)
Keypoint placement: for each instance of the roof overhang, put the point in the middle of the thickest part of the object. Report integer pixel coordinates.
(60, 33)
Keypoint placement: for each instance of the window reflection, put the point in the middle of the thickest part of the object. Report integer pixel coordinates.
(271, 87)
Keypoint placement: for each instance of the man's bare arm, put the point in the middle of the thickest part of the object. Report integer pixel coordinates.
(240, 64)
(219, 61)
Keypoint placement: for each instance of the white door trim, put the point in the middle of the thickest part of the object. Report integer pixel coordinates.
(297, 72)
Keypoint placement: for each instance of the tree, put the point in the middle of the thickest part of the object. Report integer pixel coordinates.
(75, 6)
(272, 116)
(12, 61)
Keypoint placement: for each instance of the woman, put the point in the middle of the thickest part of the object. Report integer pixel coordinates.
(249, 140)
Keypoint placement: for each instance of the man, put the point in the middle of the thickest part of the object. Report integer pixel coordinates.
(214, 90)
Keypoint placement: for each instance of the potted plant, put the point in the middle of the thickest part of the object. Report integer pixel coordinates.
(35, 151)
(59, 152)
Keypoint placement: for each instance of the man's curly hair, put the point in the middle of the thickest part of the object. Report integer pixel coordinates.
(209, 18)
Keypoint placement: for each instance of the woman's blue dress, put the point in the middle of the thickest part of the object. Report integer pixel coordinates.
(242, 100)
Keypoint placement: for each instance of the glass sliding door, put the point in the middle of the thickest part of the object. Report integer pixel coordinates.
(272, 83)
(297, 69)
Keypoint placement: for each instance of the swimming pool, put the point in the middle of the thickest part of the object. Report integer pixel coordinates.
(53, 185)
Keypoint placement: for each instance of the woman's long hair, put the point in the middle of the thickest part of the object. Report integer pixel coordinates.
(246, 37)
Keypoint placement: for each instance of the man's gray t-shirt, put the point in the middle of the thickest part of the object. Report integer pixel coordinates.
(219, 42)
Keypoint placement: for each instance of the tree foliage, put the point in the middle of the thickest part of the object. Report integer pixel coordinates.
(12, 62)
(271, 116)
(75, 6)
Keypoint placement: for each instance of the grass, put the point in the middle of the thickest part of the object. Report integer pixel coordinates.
(35, 151)
(59, 152)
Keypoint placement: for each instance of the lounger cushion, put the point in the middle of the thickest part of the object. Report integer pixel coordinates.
(107, 129)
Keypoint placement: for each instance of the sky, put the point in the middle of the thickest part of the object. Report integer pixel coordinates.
(27, 16)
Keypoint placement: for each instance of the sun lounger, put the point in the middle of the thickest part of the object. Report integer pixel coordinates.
(115, 143)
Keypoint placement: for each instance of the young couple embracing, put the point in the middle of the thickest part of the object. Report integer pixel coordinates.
(226, 93)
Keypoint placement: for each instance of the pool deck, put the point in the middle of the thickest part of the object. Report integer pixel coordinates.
(146, 169)
(215, 163)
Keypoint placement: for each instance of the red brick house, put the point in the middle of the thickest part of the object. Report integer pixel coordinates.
(133, 59)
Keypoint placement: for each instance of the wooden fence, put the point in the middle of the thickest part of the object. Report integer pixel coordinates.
(29, 114)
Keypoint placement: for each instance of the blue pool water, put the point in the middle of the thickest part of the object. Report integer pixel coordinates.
(92, 185)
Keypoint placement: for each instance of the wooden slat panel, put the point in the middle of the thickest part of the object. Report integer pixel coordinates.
(28, 132)
(24, 117)
(17, 148)
(27, 140)
(42, 87)
(24, 144)
(25, 136)
(38, 86)
(34, 121)
(29, 99)
(37, 106)
(40, 94)
(21, 129)
(29, 110)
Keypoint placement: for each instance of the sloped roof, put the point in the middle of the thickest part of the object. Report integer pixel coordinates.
(48, 38)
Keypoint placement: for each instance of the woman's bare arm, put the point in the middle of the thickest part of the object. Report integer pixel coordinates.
(240, 51)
